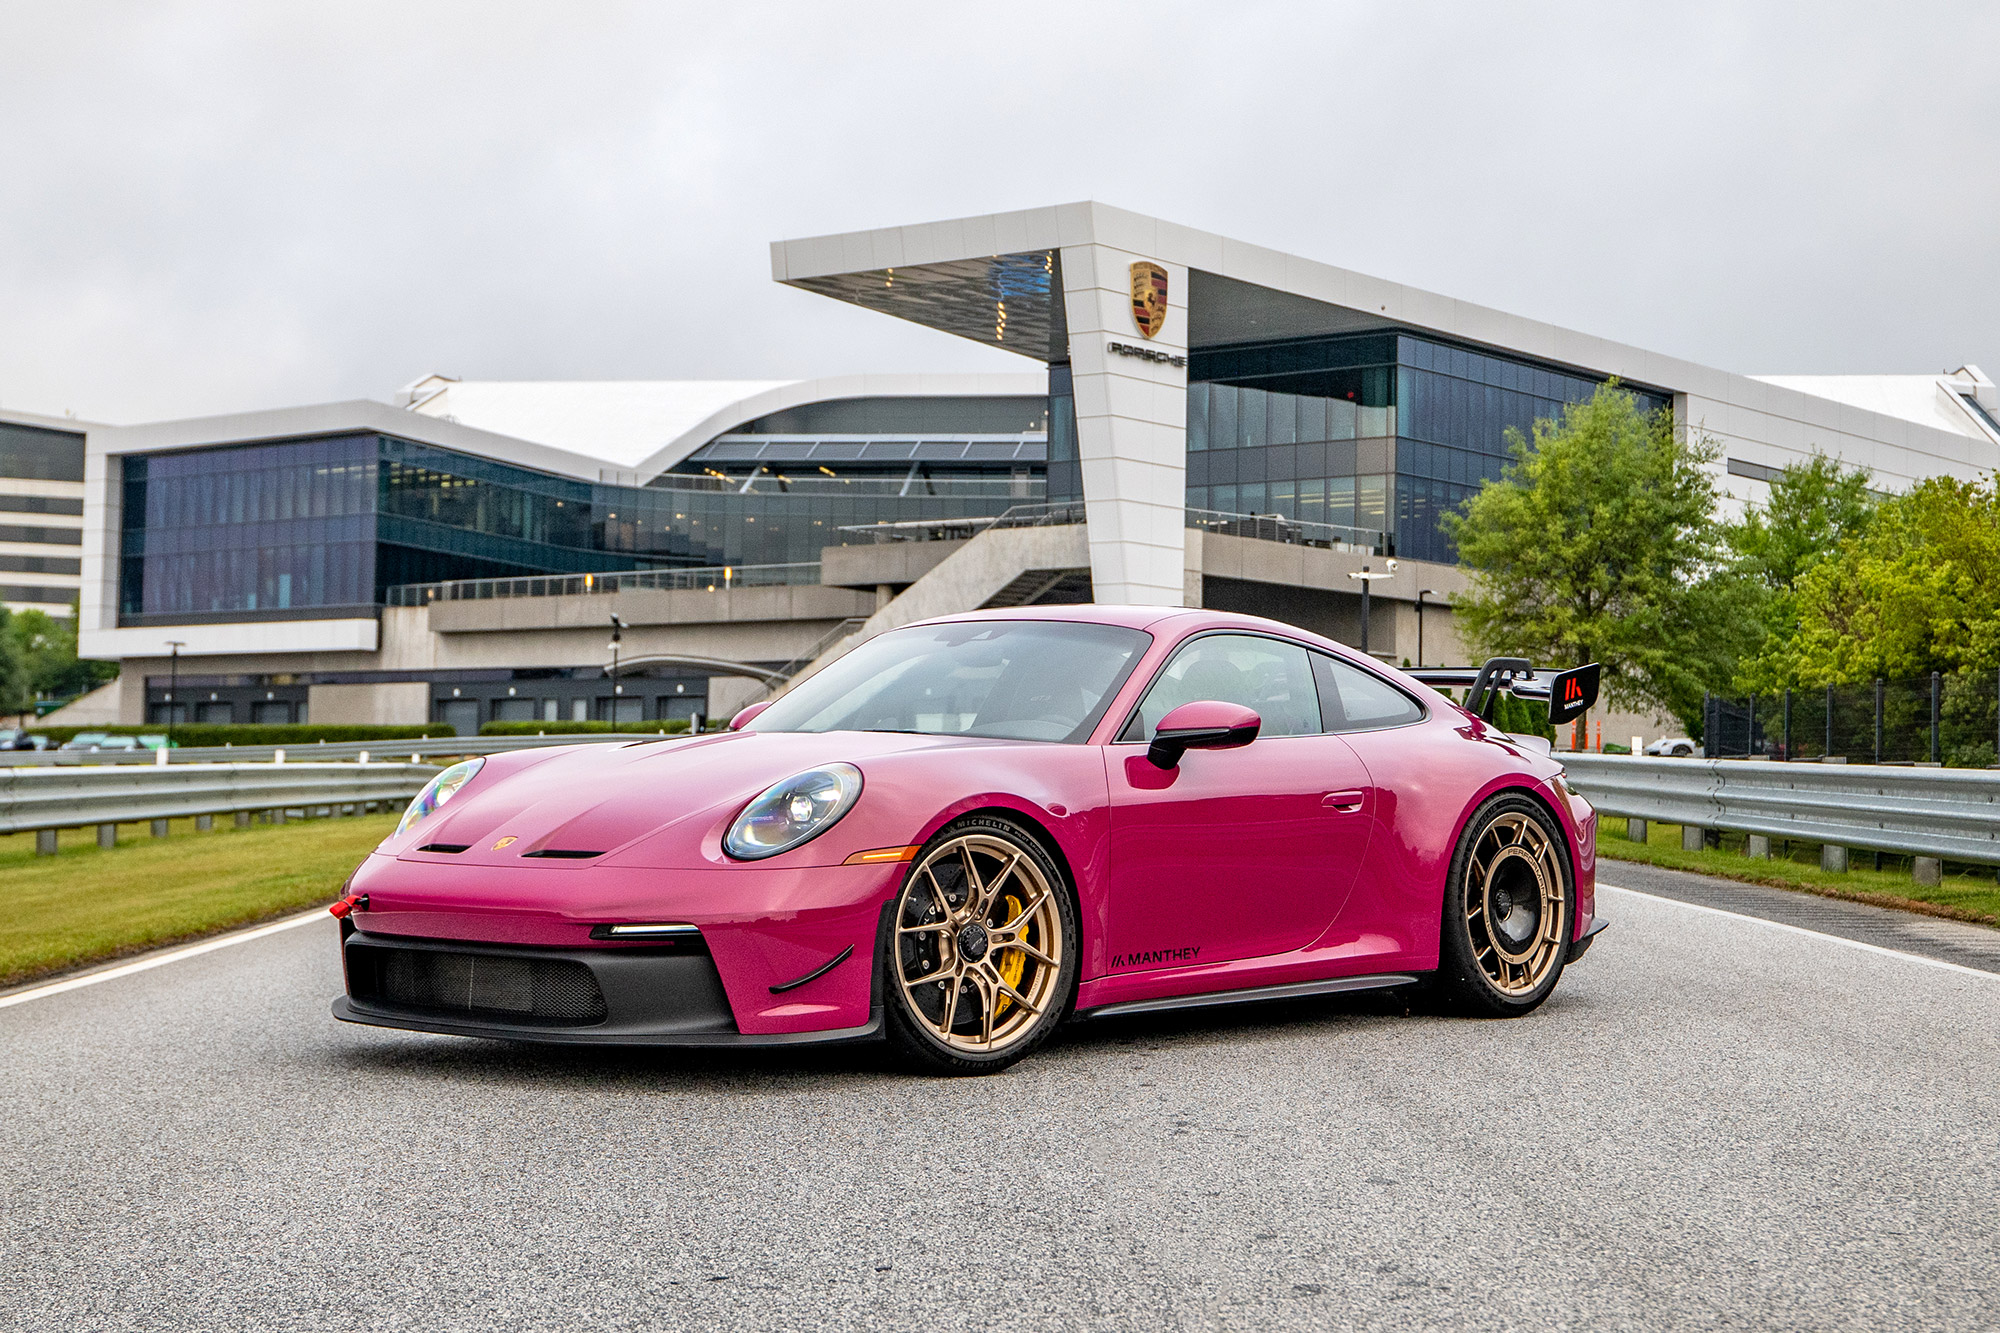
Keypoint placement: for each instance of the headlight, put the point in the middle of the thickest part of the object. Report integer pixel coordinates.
(793, 811)
(437, 791)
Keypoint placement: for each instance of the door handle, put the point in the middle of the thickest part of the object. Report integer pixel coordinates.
(1342, 802)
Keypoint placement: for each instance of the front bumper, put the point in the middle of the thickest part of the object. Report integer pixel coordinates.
(632, 997)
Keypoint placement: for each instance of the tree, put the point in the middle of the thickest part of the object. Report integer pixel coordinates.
(1917, 591)
(1815, 508)
(42, 649)
(1599, 542)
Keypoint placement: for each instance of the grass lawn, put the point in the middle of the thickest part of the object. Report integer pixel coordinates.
(87, 904)
(1967, 894)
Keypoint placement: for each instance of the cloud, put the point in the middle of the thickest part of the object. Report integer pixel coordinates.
(214, 207)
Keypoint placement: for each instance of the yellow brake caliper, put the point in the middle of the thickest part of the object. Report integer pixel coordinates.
(1015, 963)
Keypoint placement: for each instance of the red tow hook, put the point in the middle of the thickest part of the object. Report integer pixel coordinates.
(349, 903)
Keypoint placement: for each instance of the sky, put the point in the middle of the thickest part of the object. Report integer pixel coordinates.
(218, 207)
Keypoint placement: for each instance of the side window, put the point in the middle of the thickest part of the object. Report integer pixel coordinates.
(1357, 700)
(1273, 677)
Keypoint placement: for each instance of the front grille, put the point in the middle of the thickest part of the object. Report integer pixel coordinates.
(547, 990)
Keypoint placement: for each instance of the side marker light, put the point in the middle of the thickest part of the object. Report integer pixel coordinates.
(883, 855)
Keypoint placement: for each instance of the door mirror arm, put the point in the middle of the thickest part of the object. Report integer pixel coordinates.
(1207, 724)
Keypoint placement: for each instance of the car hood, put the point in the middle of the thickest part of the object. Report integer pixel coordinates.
(659, 803)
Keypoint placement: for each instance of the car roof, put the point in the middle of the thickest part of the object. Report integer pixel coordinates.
(1180, 620)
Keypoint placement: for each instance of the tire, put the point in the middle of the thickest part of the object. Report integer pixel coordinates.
(981, 960)
(1503, 963)
(1683, 752)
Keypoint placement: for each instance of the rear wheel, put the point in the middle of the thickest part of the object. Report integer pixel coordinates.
(982, 960)
(1509, 909)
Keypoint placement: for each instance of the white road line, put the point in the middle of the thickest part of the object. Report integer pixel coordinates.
(151, 961)
(1813, 934)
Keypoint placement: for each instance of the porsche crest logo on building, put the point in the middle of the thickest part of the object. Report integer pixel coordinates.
(1149, 297)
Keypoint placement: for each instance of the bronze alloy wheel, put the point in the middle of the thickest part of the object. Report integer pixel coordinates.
(982, 937)
(1509, 909)
(1513, 904)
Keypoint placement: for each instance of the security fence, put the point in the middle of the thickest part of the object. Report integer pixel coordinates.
(1949, 719)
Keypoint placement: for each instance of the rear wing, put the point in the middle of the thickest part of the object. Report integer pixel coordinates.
(1569, 693)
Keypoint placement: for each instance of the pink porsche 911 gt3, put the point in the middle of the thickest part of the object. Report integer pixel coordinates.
(970, 830)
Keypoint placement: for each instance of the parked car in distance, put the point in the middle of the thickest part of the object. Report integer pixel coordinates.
(158, 742)
(13, 738)
(98, 740)
(1674, 747)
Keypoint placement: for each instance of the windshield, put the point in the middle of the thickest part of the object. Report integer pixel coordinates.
(1029, 680)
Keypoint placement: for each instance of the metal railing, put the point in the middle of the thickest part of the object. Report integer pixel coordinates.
(1293, 531)
(413, 750)
(32, 800)
(708, 578)
(1258, 527)
(1935, 812)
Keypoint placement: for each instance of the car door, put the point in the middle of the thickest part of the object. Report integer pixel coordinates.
(1234, 853)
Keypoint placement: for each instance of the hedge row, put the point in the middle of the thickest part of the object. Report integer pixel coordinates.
(251, 733)
(672, 727)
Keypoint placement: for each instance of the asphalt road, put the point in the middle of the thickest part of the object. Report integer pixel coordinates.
(1715, 1123)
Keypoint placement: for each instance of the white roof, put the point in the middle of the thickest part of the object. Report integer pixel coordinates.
(1907, 397)
(646, 426)
(623, 422)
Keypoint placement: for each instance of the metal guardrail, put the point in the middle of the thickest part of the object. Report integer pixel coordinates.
(1937, 812)
(436, 747)
(37, 799)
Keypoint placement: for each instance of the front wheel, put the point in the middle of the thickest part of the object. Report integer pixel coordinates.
(1509, 909)
(983, 958)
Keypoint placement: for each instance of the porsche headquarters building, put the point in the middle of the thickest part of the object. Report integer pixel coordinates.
(1199, 421)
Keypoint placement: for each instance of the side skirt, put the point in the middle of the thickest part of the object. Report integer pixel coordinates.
(1292, 991)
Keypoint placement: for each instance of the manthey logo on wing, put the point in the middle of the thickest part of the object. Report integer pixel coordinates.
(1149, 297)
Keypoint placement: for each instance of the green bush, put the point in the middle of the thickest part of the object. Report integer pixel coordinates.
(251, 733)
(673, 727)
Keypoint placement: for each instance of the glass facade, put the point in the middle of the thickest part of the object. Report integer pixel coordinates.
(1379, 431)
(318, 527)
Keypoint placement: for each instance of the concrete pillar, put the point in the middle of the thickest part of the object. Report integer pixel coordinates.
(1131, 417)
(1927, 871)
(203, 823)
(1760, 847)
(45, 842)
(1635, 829)
(242, 819)
(107, 835)
(278, 815)
(160, 825)
(1692, 837)
(1833, 859)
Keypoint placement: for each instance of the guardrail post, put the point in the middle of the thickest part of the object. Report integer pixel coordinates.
(1635, 829)
(1759, 847)
(1878, 719)
(242, 819)
(107, 835)
(204, 823)
(45, 842)
(278, 815)
(1927, 871)
(1692, 837)
(160, 825)
(1833, 859)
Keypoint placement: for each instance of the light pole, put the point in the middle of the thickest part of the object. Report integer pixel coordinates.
(1421, 594)
(617, 633)
(174, 647)
(1366, 577)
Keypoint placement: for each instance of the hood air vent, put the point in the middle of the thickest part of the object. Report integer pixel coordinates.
(448, 848)
(561, 854)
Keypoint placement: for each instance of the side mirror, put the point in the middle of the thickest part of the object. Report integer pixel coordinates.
(1206, 724)
(749, 715)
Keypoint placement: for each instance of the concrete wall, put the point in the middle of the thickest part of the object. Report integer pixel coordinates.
(397, 703)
